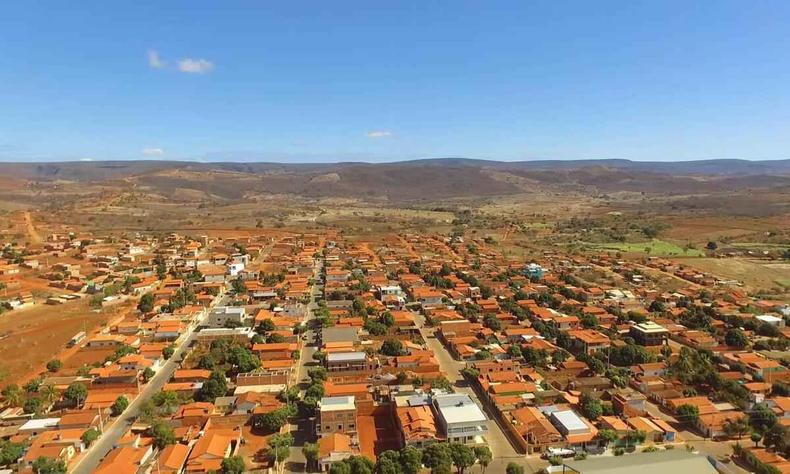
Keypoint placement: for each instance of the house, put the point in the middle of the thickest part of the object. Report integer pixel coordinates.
(223, 316)
(349, 361)
(209, 451)
(427, 297)
(577, 431)
(125, 459)
(333, 448)
(61, 444)
(588, 341)
(531, 425)
(649, 333)
(459, 418)
(337, 415)
(417, 425)
(712, 424)
(172, 459)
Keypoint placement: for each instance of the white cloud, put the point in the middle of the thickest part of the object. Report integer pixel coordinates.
(379, 134)
(153, 151)
(86, 159)
(155, 61)
(195, 66)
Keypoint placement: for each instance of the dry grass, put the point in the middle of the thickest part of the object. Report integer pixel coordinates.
(755, 274)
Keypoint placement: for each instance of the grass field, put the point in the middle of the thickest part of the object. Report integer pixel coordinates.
(652, 247)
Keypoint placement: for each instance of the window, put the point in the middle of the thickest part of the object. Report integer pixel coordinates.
(340, 427)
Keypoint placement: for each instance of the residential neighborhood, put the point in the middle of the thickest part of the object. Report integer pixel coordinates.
(308, 353)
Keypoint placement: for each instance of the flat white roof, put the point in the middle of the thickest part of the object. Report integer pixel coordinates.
(570, 420)
(337, 403)
(345, 356)
(650, 326)
(40, 423)
(459, 408)
(768, 318)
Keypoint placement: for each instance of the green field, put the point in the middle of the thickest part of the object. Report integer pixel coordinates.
(656, 247)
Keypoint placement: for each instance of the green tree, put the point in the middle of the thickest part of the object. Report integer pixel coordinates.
(411, 460)
(148, 374)
(10, 452)
(441, 383)
(233, 465)
(45, 465)
(484, 456)
(736, 428)
(13, 395)
(388, 462)
(736, 338)
(163, 434)
(215, 386)
(54, 365)
(687, 414)
(762, 418)
(755, 437)
(147, 411)
(243, 359)
(310, 452)
(513, 468)
(437, 457)
(462, 455)
(33, 405)
(168, 352)
(591, 407)
(75, 393)
(167, 400)
(391, 347)
(279, 448)
(607, 436)
(90, 436)
(119, 405)
(146, 303)
(271, 422)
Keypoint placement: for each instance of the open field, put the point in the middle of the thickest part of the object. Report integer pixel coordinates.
(753, 273)
(655, 246)
(35, 335)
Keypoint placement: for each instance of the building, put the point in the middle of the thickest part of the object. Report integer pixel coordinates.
(417, 425)
(337, 415)
(459, 418)
(349, 361)
(677, 461)
(588, 341)
(224, 315)
(649, 333)
(333, 448)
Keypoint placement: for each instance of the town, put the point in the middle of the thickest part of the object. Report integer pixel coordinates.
(275, 351)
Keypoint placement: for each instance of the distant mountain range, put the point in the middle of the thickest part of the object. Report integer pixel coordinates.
(93, 170)
(410, 180)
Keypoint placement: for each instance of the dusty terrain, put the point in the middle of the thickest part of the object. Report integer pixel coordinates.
(32, 336)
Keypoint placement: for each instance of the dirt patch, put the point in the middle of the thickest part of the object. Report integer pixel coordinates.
(755, 274)
(36, 335)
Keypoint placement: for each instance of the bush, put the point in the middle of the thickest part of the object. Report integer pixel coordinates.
(618, 451)
(54, 365)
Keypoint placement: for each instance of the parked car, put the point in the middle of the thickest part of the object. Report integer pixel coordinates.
(561, 452)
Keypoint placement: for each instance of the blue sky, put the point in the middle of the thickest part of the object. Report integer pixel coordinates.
(378, 81)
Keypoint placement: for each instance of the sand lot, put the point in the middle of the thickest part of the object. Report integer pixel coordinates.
(33, 336)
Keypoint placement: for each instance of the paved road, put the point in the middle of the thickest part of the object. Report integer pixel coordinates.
(503, 452)
(114, 432)
(303, 431)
